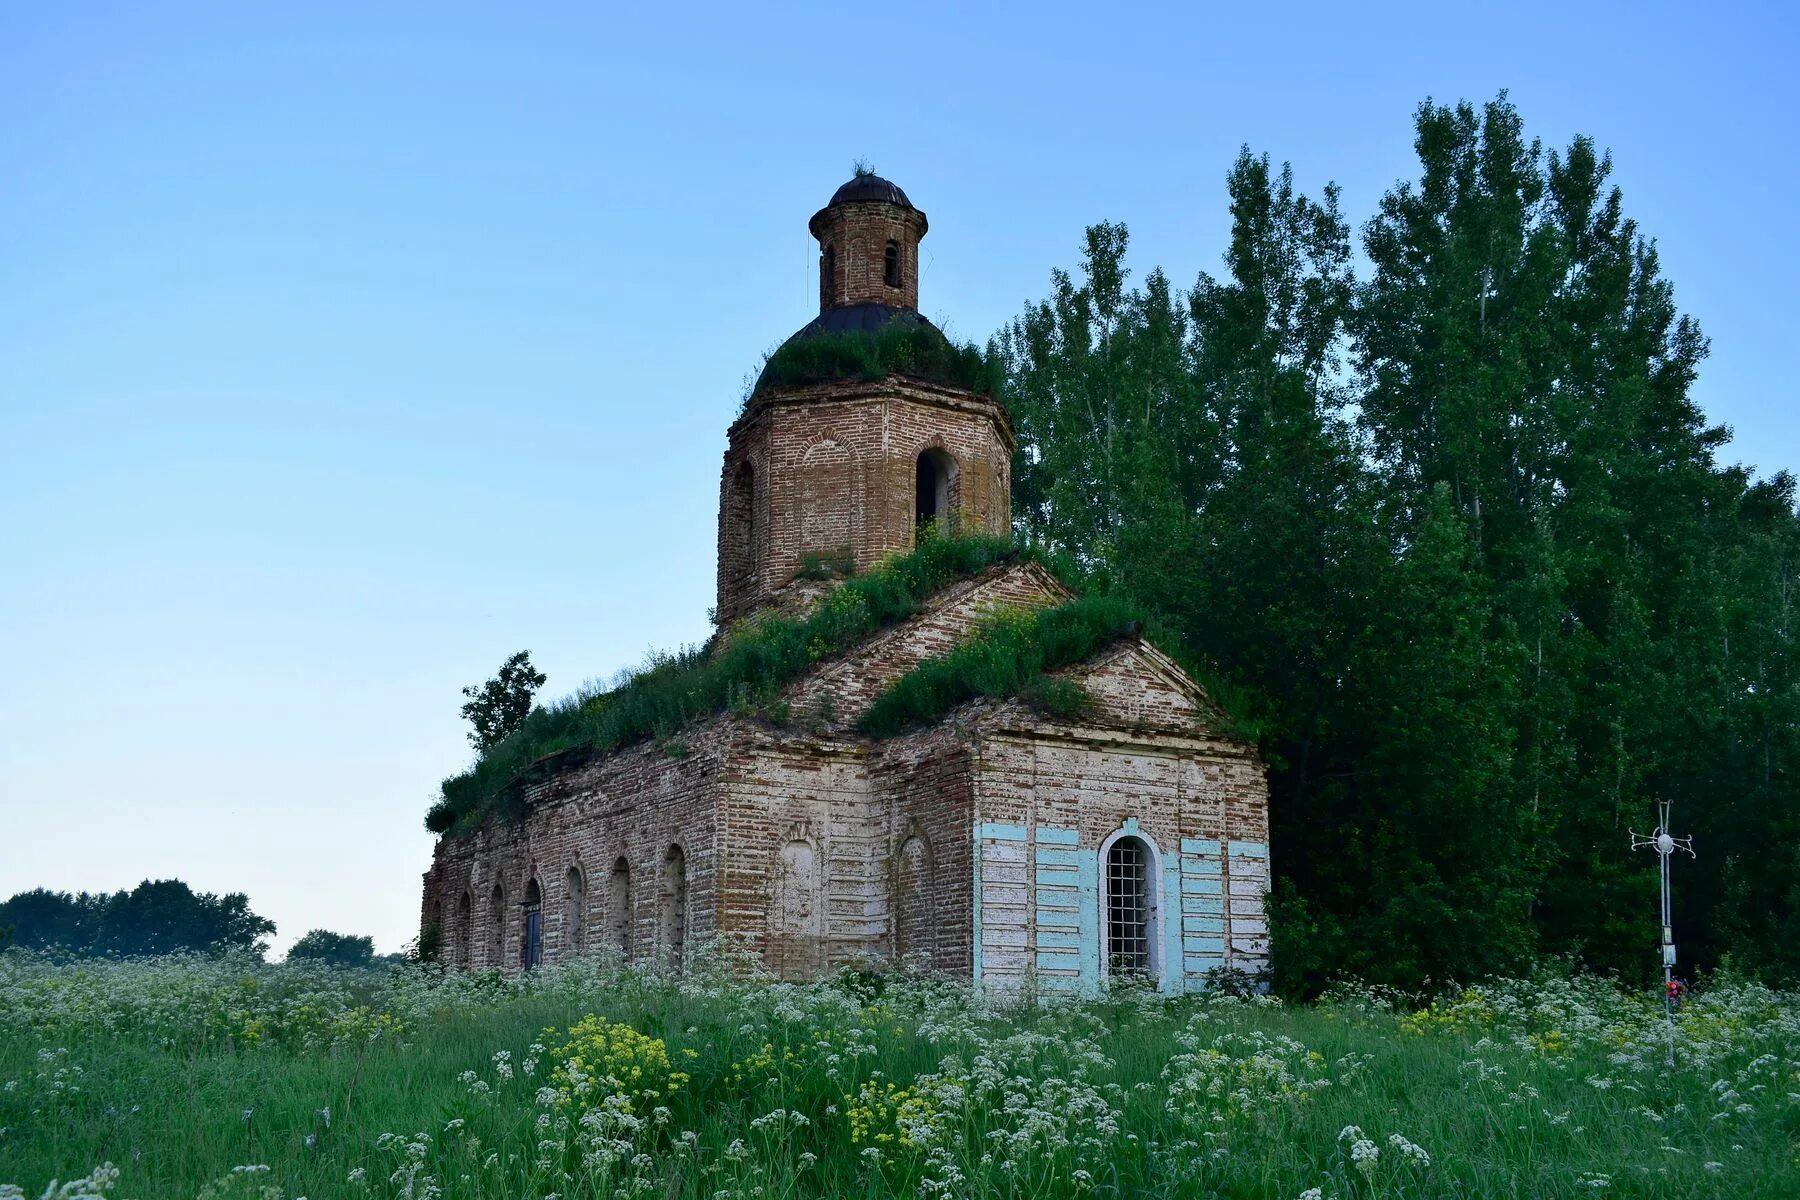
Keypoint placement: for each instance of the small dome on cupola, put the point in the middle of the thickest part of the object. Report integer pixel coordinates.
(868, 245)
(868, 187)
(868, 267)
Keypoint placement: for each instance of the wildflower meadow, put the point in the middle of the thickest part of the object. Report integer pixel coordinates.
(226, 1077)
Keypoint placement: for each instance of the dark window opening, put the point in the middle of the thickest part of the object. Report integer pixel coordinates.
(890, 270)
(463, 948)
(497, 927)
(1128, 905)
(932, 488)
(531, 941)
(828, 277)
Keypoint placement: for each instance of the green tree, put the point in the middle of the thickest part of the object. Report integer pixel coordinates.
(1457, 531)
(163, 916)
(338, 949)
(500, 706)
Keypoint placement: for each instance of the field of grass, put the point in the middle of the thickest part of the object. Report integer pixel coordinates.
(230, 1078)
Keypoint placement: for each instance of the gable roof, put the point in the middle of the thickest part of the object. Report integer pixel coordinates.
(846, 684)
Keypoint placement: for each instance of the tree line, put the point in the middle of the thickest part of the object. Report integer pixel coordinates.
(1451, 523)
(161, 916)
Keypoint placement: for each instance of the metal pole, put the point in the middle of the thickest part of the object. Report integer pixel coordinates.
(1665, 846)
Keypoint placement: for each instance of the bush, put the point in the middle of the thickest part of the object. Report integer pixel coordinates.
(500, 705)
(338, 949)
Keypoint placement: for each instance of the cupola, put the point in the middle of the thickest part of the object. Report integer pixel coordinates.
(828, 465)
(868, 246)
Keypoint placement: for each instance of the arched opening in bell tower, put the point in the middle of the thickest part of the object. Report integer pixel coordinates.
(932, 488)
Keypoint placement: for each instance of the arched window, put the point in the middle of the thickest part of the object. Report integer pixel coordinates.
(577, 906)
(531, 933)
(496, 927)
(741, 522)
(674, 908)
(1130, 909)
(915, 921)
(828, 276)
(890, 265)
(618, 909)
(932, 492)
(462, 939)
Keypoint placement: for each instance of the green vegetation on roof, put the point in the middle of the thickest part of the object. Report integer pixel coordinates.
(899, 348)
(1014, 652)
(677, 690)
(1009, 655)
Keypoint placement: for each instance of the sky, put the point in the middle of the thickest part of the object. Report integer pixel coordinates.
(346, 349)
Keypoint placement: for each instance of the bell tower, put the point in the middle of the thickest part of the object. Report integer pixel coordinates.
(862, 431)
(868, 246)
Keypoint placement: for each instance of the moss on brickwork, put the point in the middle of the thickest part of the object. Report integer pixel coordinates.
(675, 691)
(899, 348)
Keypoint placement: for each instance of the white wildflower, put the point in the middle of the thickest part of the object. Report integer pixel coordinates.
(1412, 1150)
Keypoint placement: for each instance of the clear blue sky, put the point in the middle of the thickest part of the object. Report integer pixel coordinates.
(345, 349)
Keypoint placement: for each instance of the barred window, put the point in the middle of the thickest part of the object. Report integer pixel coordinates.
(1128, 908)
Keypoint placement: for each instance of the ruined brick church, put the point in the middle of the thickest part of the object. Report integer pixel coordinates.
(1001, 845)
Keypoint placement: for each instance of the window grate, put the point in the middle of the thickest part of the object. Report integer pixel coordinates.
(1127, 908)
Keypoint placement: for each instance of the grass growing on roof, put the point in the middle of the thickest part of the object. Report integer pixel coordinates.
(1013, 653)
(899, 348)
(678, 689)
(1008, 655)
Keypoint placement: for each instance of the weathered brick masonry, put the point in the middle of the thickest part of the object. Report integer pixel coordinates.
(999, 844)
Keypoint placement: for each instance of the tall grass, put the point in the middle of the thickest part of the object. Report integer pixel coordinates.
(409, 1083)
(675, 691)
(1008, 655)
(1015, 652)
(899, 348)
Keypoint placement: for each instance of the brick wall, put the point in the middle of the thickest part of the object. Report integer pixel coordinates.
(832, 468)
(858, 234)
(1147, 762)
(976, 843)
(635, 806)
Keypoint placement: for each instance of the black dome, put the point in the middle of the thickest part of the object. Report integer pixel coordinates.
(861, 318)
(870, 187)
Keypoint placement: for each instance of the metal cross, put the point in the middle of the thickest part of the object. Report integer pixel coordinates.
(1665, 846)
